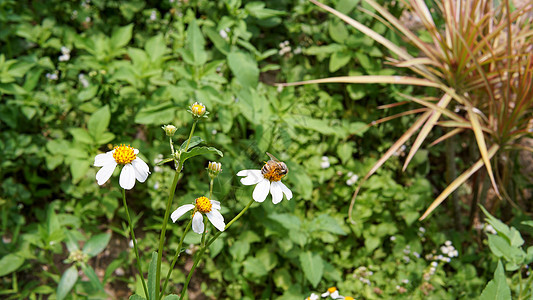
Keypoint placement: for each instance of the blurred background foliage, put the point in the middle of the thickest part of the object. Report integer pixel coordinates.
(77, 77)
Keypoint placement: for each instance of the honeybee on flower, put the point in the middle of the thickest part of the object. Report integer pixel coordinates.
(268, 180)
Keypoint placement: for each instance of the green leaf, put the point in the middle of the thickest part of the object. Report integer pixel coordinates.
(78, 169)
(155, 47)
(136, 297)
(171, 297)
(81, 135)
(121, 36)
(338, 31)
(199, 151)
(106, 137)
(497, 288)
(10, 263)
(195, 140)
(68, 279)
(88, 93)
(288, 221)
(339, 60)
(93, 278)
(217, 40)
(239, 250)
(313, 267)
(244, 68)
(151, 276)
(328, 223)
(257, 9)
(158, 114)
(254, 267)
(99, 121)
(196, 44)
(96, 244)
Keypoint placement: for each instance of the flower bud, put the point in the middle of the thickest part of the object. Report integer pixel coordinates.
(214, 169)
(169, 129)
(198, 110)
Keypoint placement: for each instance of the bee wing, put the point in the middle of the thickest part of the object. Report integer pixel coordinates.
(272, 157)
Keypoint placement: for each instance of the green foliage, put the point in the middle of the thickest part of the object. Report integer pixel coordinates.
(128, 73)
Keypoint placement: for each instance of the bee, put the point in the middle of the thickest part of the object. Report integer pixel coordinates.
(274, 169)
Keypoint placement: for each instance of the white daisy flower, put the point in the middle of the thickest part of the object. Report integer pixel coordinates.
(333, 293)
(202, 206)
(268, 182)
(134, 167)
(312, 297)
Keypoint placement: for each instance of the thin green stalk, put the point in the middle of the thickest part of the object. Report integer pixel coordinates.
(210, 188)
(163, 231)
(176, 256)
(190, 135)
(167, 214)
(139, 267)
(202, 251)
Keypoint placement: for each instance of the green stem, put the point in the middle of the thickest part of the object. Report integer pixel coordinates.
(205, 230)
(163, 231)
(190, 135)
(176, 256)
(165, 219)
(139, 267)
(202, 251)
(210, 189)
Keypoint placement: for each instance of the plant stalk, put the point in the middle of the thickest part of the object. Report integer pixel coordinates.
(176, 256)
(134, 242)
(202, 251)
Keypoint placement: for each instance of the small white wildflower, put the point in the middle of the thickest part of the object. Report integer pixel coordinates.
(448, 243)
(214, 131)
(153, 15)
(434, 264)
(224, 33)
(83, 80)
(444, 249)
(416, 254)
(422, 229)
(406, 259)
(52, 76)
(405, 281)
(298, 50)
(130, 244)
(392, 238)
(119, 271)
(325, 162)
(88, 19)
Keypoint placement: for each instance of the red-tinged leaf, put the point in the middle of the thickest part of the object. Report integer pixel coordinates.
(435, 115)
(369, 79)
(476, 127)
(458, 181)
(447, 136)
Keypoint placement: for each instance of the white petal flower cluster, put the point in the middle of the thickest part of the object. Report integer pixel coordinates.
(264, 186)
(325, 162)
(211, 208)
(65, 54)
(134, 167)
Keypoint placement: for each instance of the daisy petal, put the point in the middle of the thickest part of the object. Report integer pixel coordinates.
(216, 204)
(180, 211)
(261, 190)
(198, 223)
(141, 169)
(127, 177)
(275, 190)
(252, 177)
(285, 190)
(136, 151)
(105, 172)
(216, 219)
(104, 159)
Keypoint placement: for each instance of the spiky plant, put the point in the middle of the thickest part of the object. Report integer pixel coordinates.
(480, 59)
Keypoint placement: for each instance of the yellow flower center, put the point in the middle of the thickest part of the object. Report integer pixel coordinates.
(198, 109)
(203, 205)
(124, 154)
(348, 298)
(332, 289)
(273, 174)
